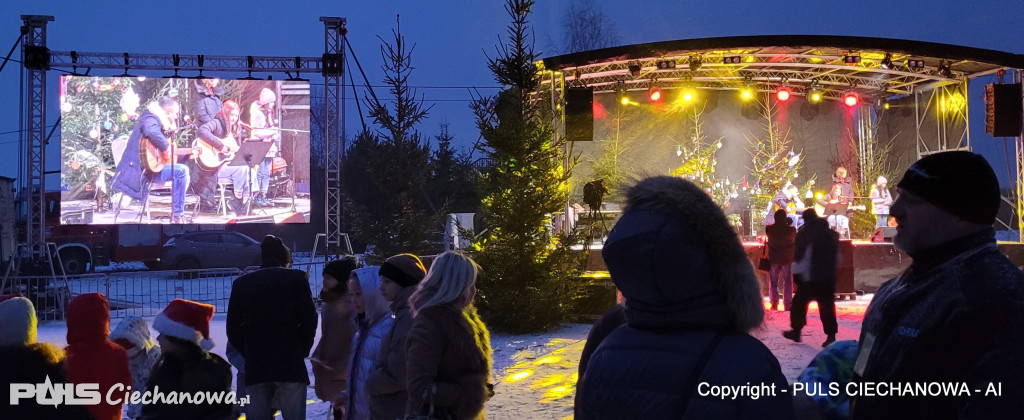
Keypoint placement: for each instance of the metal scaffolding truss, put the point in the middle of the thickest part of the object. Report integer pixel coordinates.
(330, 65)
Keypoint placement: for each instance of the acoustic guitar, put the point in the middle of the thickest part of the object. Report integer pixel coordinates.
(210, 158)
(153, 159)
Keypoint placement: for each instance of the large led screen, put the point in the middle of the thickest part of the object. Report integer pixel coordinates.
(183, 151)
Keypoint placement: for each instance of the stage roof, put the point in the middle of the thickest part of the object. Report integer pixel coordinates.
(767, 62)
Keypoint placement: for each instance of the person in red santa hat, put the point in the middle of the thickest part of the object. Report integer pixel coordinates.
(91, 357)
(186, 365)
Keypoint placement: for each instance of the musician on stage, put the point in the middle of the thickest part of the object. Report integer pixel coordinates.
(840, 194)
(263, 125)
(132, 178)
(220, 135)
(881, 199)
(789, 200)
(204, 181)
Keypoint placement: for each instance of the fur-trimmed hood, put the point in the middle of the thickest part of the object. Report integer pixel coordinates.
(678, 262)
(165, 122)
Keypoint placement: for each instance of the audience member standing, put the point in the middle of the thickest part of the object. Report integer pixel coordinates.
(956, 315)
(272, 322)
(387, 384)
(24, 361)
(781, 237)
(187, 366)
(816, 255)
(132, 334)
(91, 357)
(373, 322)
(448, 348)
(333, 353)
(691, 297)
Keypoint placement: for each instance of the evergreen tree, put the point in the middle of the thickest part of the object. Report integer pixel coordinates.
(700, 161)
(528, 281)
(774, 163)
(386, 173)
(452, 184)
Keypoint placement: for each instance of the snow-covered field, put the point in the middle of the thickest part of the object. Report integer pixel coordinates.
(535, 374)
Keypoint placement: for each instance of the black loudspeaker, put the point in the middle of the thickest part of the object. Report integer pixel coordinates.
(883, 234)
(579, 114)
(1003, 109)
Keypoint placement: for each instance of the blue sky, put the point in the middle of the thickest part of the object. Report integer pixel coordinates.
(452, 37)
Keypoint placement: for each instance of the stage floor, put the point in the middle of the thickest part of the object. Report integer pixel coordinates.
(280, 210)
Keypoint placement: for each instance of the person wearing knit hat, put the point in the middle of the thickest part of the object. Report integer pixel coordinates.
(23, 360)
(132, 334)
(91, 357)
(186, 365)
(386, 385)
(272, 323)
(691, 300)
(957, 313)
(262, 121)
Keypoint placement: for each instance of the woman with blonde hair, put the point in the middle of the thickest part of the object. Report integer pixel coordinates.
(448, 349)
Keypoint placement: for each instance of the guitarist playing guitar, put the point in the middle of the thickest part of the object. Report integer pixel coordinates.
(217, 145)
(133, 178)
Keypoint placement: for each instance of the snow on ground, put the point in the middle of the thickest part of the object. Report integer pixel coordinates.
(535, 374)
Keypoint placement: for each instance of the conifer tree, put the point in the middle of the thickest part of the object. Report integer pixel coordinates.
(528, 280)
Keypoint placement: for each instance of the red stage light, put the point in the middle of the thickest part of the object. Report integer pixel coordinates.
(851, 99)
(783, 94)
(654, 95)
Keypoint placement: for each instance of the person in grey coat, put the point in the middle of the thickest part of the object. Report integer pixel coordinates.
(373, 322)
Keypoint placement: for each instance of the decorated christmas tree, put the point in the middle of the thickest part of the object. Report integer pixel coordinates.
(774, 163)
(698, 157)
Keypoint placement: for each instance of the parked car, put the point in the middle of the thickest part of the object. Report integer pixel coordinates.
(210, 249)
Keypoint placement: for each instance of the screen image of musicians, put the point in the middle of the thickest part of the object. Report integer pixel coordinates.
(201, 151)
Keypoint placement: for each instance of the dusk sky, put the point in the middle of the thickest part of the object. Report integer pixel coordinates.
(452, 38)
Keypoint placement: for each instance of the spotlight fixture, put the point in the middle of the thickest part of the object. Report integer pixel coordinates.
(814, 94)
(654, 94)
(695, 62)
(886, 62)
(783, 94)
(851, 99)
(634, 69)
(748, 89)
(620, 92)
(851, 58)
(735, 59)
(944, 70)
(666, 64)
(915, 63)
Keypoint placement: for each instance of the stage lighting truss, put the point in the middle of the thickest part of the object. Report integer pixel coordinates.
(916, 64)
(851, 58)
(735, 59)
(666, 64)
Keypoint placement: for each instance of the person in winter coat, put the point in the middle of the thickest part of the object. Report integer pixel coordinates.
(91, 357)
(131, 178)
(691, 298)
(187, 366)
(448, 349)
(132, 334)
(332, 354)
(24, 361)
(210, 101)
(781, 237)
(386, 385)
(956, 315)
(373, 322)
(272, 322)
(816, 249)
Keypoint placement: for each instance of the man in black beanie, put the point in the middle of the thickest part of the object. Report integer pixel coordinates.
(956, 315)
(272, 323)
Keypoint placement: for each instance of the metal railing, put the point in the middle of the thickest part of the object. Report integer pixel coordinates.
(141, 293)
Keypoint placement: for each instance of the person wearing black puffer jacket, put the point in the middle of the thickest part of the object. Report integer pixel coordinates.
(691, 298)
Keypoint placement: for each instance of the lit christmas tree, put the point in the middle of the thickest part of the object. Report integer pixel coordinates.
(774, 163)
(699, 160)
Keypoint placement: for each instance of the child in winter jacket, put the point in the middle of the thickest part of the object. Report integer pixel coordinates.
(132, 334)
(91, 356)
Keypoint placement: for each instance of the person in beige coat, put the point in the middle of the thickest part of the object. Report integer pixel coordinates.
(330, 358)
